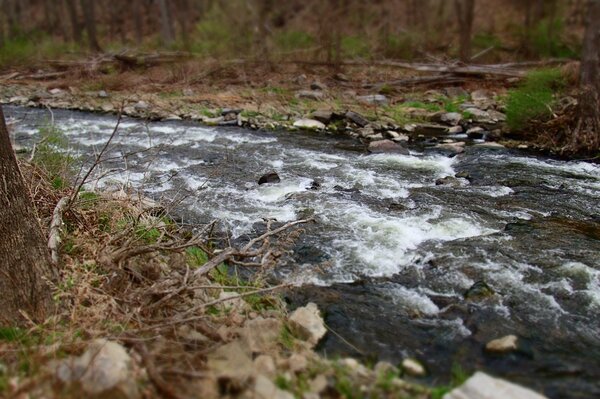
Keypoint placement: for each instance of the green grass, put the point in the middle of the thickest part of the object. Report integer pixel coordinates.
(534, 98)
(53, 155)
(196, 257)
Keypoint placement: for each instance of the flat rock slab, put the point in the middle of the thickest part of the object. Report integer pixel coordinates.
(387, 147)
(483, 386)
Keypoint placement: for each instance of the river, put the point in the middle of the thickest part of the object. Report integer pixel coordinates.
(391, 253)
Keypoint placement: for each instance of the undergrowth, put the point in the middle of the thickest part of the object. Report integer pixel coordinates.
(534, 98)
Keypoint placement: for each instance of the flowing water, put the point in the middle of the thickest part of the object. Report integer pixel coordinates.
(392, 254)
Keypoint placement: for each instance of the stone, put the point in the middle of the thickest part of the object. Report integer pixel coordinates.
(454, 148)
(356, 118)
(478, 115)
(264, 364)
(310, 95)
(455, 130)
(374, 99)
(141, 106)
(55, 91)
(479, 95)
(231, 111)
(269, 178)
(188, 92)
(322, 116)
(483, 386)
(236, 303)
(103, 371)
(375, 137)
(490, 145)
(387, 147)
(502, 345)
(107, 108)
(450, 181)
(318, 384)
(232, 362)
(430, 129)
(413, 367)
(102, 94)
(213, 121)
(265, 389)
(309, 124)
(297, 362)
(476, 132)
(479, 290)
(316, 85)
(261, 334)
(451, 118)
(455, 91)
(306, 323)
(341, 77)
(496, 116)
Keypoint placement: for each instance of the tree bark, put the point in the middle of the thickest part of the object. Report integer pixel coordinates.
(75, 24)
(89, 16)
(465, 13)
(590, 62)
(166, 23)
(24, 260)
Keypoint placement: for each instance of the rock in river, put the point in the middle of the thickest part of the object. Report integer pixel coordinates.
(309, 124)
(502, 345)
(271, 177)
(478, 291)
(387, 146)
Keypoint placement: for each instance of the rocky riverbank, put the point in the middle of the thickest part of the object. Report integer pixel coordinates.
(447, 119)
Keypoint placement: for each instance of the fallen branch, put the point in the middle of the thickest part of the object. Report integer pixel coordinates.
(54, 234)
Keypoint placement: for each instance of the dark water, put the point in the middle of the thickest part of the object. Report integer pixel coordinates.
(392, 253)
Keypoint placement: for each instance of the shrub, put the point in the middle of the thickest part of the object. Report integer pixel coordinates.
(533, 98)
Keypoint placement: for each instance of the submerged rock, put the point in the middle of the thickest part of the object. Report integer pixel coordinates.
(269, 178)
(387, 147)
(482, 386)
(478, 291)
(306, 323)
(502, 345)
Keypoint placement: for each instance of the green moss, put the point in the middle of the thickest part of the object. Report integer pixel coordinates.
(534, 98)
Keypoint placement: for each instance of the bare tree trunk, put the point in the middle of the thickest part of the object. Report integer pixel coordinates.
(138, 21)
(590, 62)
(166, 23)
(465, 13)
(89, 17)
(24, 258)
(75, 24)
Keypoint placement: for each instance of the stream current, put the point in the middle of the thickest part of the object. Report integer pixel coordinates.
(391, 254)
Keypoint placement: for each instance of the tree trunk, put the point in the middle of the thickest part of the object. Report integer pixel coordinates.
(138, 22)
(90, 24)
(590, 62)
(465, 13)
(24, 258)
(166, 23)
(75, 24)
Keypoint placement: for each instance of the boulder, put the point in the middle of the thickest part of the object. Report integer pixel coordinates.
(310, 95)
(232, 362)
(449, 181)
(479, 95)
(452, 148)
(103, 371)
(387, 147)
(451, 118)
(502, 345)
(455, 130)
(479, 290)
(483, 386)
(269, 178)
(413, 367)
(322, 116)
(356, 118)
(261, 334)
(428, 129)
(478, 115)
(373, 99)
(310, 124)
(306, 323)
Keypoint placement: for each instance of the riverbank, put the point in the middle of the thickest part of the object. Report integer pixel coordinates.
(357, 103)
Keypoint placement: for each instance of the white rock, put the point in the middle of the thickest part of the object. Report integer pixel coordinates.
(455, 130)
(413, 367)
(103, 370)
(491, 145)
(504, 344)
(482, 386)
(265, 389)
(307, 324)
(309, 124)
(55, 92)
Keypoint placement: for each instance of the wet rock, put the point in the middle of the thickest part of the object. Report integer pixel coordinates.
(306, 323)
(103, 371)
(463, 175)
(374, 99)
(449, 181)
(502, 345)
(490, 145)
(356, 118)
(316, 85)
(478, 291)
(269, 178)
(315, 185)
(482, 386)
(451, 118)
(476, 132)
(310, 124)
(387, 147)
(310, 95)
(452, 148)
(413, 367)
